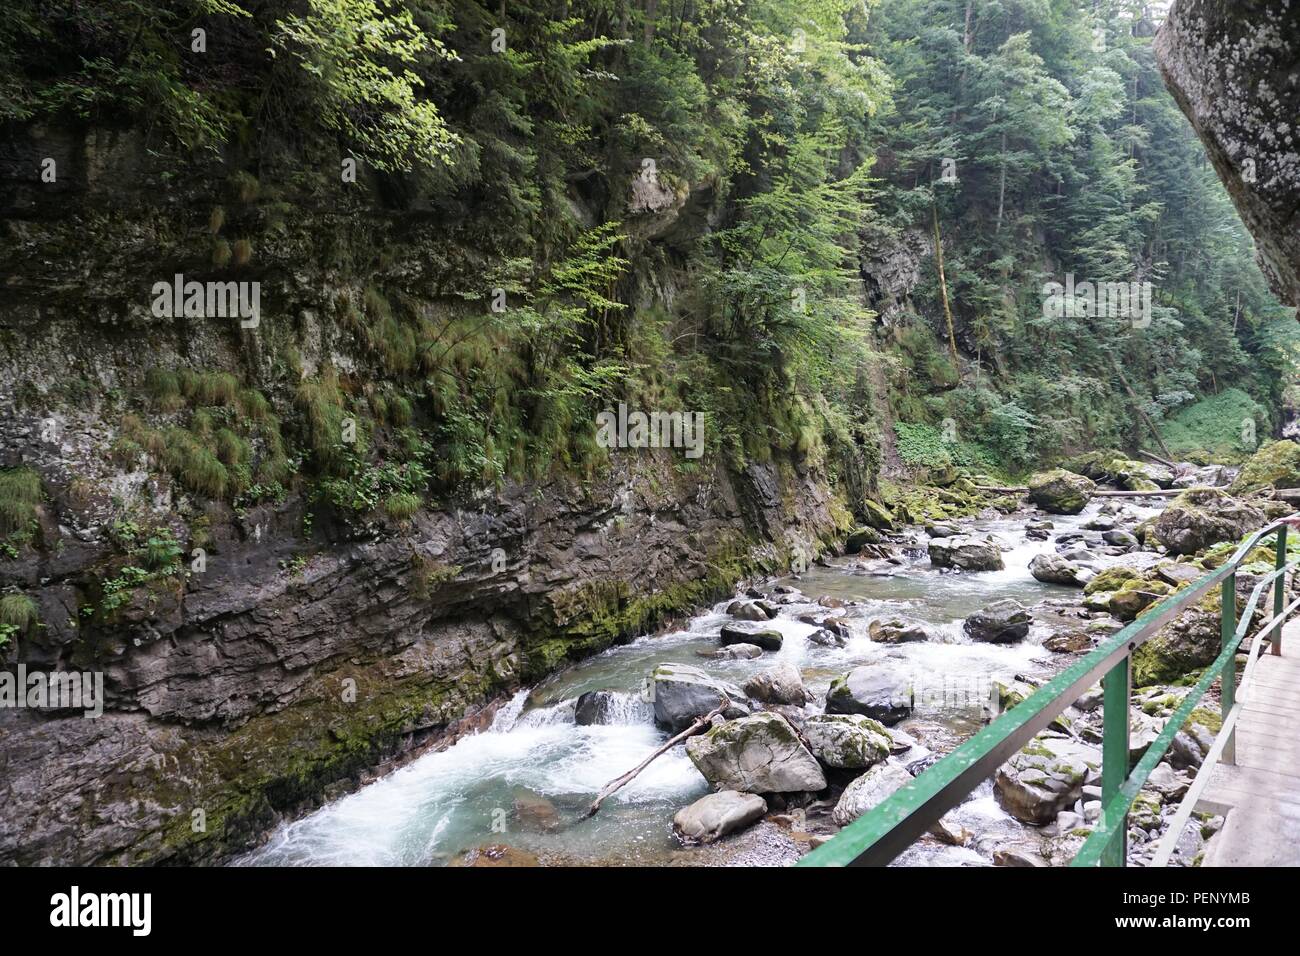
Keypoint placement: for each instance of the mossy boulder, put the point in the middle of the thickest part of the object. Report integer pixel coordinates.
(1134, 597)
(878, 516)
(860, 538)
(1200, 518)
(1061, 492)
(847, 741)
(1046, 777)
(758, 754)
(1188, 643)
(1276, 465)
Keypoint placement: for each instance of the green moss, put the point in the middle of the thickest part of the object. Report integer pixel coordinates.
(1112, 579)
(402, 506)
(18, 611)
(1276, 465)
(20, 493)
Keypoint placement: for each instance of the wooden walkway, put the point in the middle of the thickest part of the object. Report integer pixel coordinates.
(1261, 793)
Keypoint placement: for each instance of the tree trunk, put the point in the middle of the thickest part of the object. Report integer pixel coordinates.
(1002, 184)
(1137, 407)
(943, 288)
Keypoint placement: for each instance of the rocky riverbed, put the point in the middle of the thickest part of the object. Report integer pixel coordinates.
(841, 683)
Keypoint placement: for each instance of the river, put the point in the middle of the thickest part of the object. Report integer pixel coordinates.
(446, 802)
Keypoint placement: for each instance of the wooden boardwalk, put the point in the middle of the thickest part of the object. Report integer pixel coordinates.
(1261, 793)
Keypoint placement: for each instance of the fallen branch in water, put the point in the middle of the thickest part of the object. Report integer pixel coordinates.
(1159, 493)
(1157, 459)
(698, 724)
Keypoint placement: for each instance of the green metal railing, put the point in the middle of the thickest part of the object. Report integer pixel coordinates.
(878, 836)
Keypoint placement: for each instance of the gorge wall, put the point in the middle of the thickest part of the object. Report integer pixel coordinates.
(312, 641)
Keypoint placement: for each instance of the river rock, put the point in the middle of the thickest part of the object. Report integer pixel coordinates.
(1044, 778)
(860, 538)
(1017, 856)
(714, 816)
(897, 631)
(825, 637)
(1121, 539)
(1061, 492)
(942, 530)
(882, 692)
(758, 754)
(965, 553)
(869, 790)
(681, 693)
(734, 652)
(597, 707)
(846, 741)
(534, 812)
(1056, 569)
(1197, 520)
(747, 611)
(778, 685)
(1002, 622)
(750, 632)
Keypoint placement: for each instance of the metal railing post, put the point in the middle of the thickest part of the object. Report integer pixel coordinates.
(1228, 681)
(1115, 752)
(1279, 590)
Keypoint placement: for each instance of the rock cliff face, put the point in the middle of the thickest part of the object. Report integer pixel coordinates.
(1234, 68)
(310, 646)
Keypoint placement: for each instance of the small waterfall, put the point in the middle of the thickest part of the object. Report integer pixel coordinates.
(504, 719)
(627, 709)
(561, 713)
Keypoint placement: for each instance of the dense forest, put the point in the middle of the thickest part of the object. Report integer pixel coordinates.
(827, 226)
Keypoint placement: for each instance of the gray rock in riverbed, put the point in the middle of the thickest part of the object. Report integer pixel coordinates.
(714, 816)
(748, 632)
(681, 693)
(965, 553)
(1056, 569)
(1002, 622)
(1046, 777)
(896, 630)
(847, 740)
(882, 692)
(781, 684)
(869, 790)
(758, 754)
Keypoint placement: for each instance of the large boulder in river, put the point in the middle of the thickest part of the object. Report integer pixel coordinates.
(1002, 622)
(714, 816)
(778, 685)
(1046, 777)
(750, 632)
(681, 693)
(1061, 492)
(869, 790)
(882, 692)
(966, 553)
(758, 754)
(1276, 465)
(847, 741)
(1053, 568)
(1198, 519)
